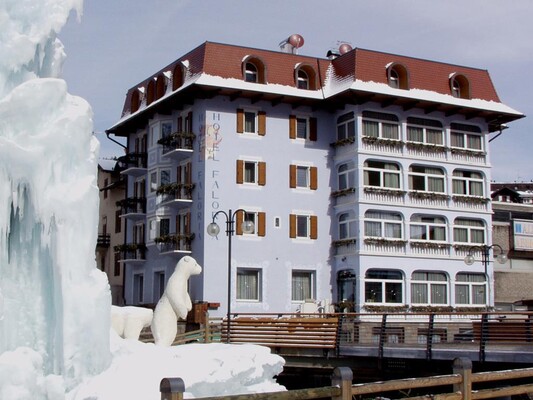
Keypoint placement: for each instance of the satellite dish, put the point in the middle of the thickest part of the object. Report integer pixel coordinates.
(345, 48)
(296, 40)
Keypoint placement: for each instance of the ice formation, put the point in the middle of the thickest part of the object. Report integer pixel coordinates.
(55, 303)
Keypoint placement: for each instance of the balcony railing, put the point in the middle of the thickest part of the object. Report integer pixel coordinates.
(133, 160)
(175, 191)
(131, 251)
(179, 243)
(104, 240)
(132, 205)
(177, 141)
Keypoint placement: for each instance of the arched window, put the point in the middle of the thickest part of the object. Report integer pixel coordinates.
(398, 76)
(469, 231)
(467, 183)
(383, 224)
(382, 174)
(470, 288)
(150, 92)
(429, 288)
(302, 79)
(460, 86)
(253, 70)
(135, 101)
(346, 175)
(161, 86)
(177, 77)
(426, 179)
(347, 226)
(428, 228)
(305, 77)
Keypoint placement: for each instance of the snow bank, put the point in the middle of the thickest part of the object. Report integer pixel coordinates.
(214, 369)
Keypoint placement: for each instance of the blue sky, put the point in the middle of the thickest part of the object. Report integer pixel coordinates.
(118, 43)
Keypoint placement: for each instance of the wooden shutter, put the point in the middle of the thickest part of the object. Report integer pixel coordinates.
(261, 225)
(188, 122)
(292, 225)
(312, 129)
(292, 126)
(240, 171)
(240, 120)
(292, 176)
(314, 178)
(262, 173)
(261, 116)
(180, 124)
(314, 227)
(188, 173)
(188, 223)
(178, 225)
(239, 219)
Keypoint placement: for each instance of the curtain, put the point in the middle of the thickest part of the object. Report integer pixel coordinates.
(301, 286)
(247, 285)
(461, 294)
(419, 293)
(437, 233)
(476, 188)
(436, 184)
(393, 230)
(391, 180)
(457, 140)
(372, 228)
(460, 235)
(434, 136)
(390, 131)
(474, 142)
(438, 294)
(370, 128)
(459, 186)
(478, 294)
(415, 134)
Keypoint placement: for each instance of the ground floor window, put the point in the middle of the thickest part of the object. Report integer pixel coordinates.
(159, 283)
(248, 284)
(138, 288)
(383, 286)
(470, 288)
(429, 288)
(303, 283)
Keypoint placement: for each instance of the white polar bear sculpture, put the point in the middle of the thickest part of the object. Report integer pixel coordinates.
(174, 303)
(129, 321)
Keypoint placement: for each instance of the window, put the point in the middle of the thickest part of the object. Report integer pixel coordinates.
(383, 286)
(429, 288)
(303, 226)
(248, 284)
(250, 72)
(118, 221)
(166, 129)
(251, 172)
(164, 226)
(116, 269)
(426, 179)
(154, 135)
(153, 181)
(158, 227)
(346, 175)
(302, 79)
(382, 174)
(346, 126)
(398, 76)
(381, 125)
(303, 177)
(304, 128)
(428, 228)
(164, 177)
(159, 283)
(466, 137)
(253, 70)
(460, 86)
(250, 121)
(383, 224)
(470, 288)
(303, 285)
(469, 231)
(467, 183)
(347, 226)
(138, 288)
(258, 218)
(427, 131)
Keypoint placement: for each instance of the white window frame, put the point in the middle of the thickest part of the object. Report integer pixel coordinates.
(302, 79)
(384, 223)
(427, 176)
(302, 120)
(348, 175)
(467, 182)
(385, 284)
(428, 227)
(247, 115)
(347, 226)
(381, 130)
(299, 218)
(306, 170)
(429, 285)
(251, 74)
(159, 282)
(297, 291)
(252, 216)
(425, 133)
(382, 171)
(471, 287)
(466, 140)
(346, 128)
(255, 166)
(469, 231)
(248, 271)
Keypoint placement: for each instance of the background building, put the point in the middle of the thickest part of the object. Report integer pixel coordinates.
(366, 176)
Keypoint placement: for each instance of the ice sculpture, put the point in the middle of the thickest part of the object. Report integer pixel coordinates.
(55, 307)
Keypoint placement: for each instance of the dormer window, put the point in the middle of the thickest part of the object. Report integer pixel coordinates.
(177, 77)
(305, 77)
(161, 86)
(302, 80)
(250, 72)
(460, 86)
(253, 70)
(150, 93)
(397, 76)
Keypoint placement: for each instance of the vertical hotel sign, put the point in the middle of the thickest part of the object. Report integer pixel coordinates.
(523, 235)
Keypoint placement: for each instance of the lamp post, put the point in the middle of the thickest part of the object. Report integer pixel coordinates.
(485, 259)
(213, 230)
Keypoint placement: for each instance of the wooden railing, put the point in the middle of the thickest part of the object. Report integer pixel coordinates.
(461, 385)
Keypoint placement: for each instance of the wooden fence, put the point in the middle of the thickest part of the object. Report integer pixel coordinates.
(456, 386)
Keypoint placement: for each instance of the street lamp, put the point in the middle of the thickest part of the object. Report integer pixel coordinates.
(213, 230)
(485, 259)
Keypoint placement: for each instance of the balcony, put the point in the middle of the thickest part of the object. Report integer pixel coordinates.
(133, 164)
(133, 208)
(177, 195)
(131, 252)
(178, 145)
(104, 240)
(175, 243)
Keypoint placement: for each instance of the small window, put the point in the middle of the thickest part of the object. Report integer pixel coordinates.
(347, 226)
(253, 70)
(251, 121)
(248, 284)
(460, 86)
(303, 177)
(398, 76)
(303, 226)
(302, 79)
(304, 128)
(346, 176)
(250, 72)
(303, 286)
(251, 172)
(346, 126)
